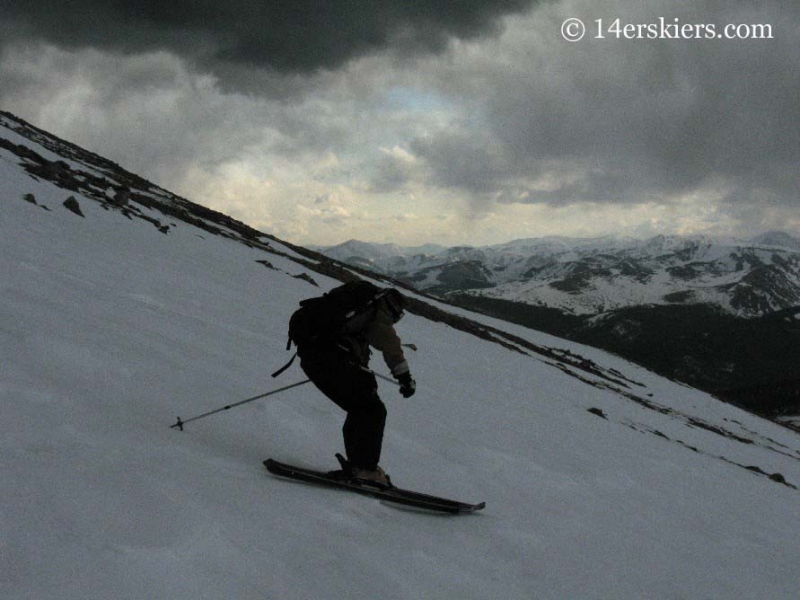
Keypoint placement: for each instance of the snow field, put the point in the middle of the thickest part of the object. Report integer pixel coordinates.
(109, 330)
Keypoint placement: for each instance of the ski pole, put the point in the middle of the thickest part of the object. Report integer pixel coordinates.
(379, 376)
(181, 423)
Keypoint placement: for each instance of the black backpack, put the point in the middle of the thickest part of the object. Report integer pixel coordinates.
(320, 320)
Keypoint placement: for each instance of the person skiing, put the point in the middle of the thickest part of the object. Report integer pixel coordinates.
(336, 362)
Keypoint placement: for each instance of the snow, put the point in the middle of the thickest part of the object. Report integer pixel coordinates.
(110, 329)
(629, 272)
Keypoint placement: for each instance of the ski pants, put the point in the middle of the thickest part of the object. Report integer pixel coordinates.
(355, 391)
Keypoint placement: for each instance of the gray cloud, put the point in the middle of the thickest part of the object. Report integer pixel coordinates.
(145, 112)
(630, 120)
(288, 36)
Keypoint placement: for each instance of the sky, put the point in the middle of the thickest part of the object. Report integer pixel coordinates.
(471, 122)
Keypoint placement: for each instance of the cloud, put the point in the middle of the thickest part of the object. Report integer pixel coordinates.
(627, 121)
(393, 171)
(288, 36)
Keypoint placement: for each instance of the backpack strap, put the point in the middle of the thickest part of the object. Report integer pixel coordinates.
(286, 366)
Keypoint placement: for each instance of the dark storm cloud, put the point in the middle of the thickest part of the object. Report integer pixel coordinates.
(289, 36)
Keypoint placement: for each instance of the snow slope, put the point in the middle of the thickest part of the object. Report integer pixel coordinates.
(109, 329)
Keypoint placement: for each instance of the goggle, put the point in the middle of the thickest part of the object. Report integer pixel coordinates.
(392, 301)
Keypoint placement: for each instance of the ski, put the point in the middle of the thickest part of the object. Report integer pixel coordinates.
(391, 494)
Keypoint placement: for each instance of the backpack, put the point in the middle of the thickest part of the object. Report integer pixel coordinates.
(320, 320)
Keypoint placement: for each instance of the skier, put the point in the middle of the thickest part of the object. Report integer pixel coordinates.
(337, 364)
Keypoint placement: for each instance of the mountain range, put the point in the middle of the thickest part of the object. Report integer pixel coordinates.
(746, 278)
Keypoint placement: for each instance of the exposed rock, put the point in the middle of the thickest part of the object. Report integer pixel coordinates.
(598, 412)
(72, 204)
(306, 277)
(122, 196)
(267, 264)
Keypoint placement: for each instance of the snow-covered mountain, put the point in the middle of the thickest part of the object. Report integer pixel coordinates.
(747, 278)
(120, 310)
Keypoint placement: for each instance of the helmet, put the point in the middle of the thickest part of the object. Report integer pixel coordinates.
(394, 302)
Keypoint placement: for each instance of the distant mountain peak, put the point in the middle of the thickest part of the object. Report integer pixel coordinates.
(779, 239)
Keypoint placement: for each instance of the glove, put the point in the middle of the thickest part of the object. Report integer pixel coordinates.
(407, 385)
